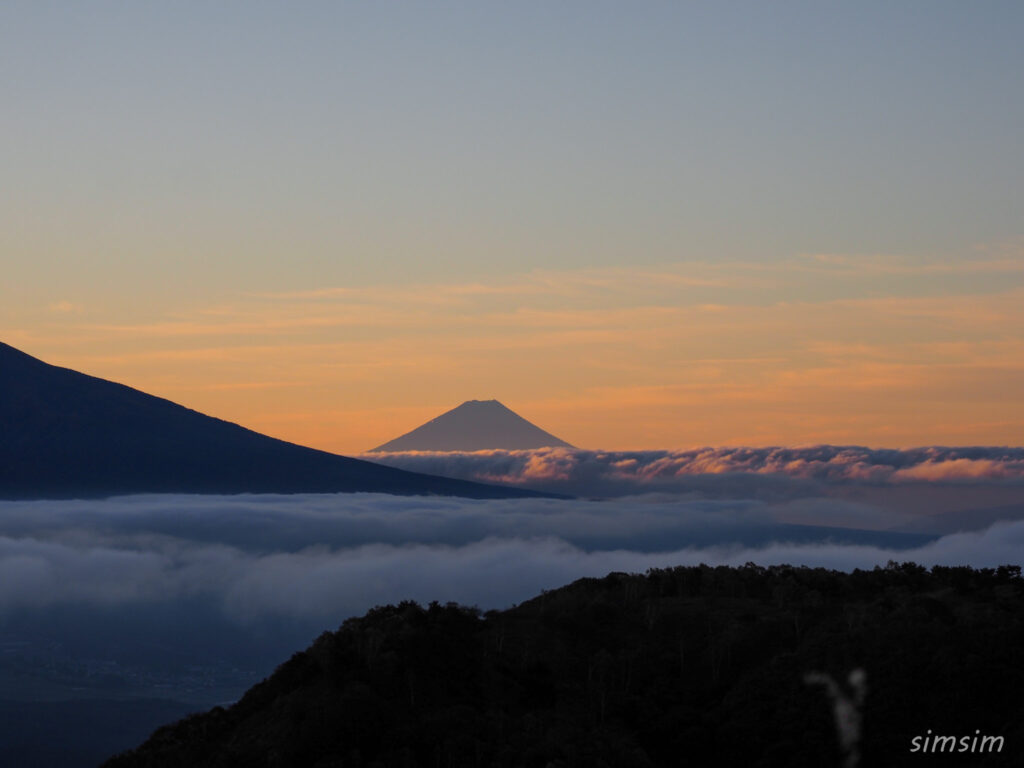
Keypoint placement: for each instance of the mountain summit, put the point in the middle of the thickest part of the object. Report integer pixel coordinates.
(64, 434)
(476, 425)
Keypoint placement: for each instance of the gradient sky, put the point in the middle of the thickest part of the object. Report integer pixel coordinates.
(652, 225)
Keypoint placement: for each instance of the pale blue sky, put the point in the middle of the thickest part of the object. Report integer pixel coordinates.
(305, 144)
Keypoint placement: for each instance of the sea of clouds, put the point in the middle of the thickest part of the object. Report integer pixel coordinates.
(150, 588)
(323, 557)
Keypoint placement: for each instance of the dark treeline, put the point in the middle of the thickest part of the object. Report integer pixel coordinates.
(692, 666)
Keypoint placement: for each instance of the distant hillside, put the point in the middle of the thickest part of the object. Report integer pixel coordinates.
(476, 425)
(65, 434)
(682, 667)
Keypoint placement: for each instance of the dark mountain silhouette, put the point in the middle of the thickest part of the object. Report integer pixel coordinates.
(64, 434)
(695, 666)
(476, 425)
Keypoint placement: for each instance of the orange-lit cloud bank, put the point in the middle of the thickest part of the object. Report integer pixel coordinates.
(616, 473)
(882, 351)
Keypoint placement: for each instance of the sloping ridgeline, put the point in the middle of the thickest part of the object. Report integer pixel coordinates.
(65, 434)
(683, 667)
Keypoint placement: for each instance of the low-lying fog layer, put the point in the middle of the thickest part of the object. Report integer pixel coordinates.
(321, 558)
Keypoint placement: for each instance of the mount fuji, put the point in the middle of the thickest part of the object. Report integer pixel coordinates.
(476, 425)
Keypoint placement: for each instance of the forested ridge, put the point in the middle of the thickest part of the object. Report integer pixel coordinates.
(689, 666)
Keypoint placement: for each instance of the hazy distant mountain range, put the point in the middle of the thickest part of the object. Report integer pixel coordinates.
(65, 434)
(476, 425)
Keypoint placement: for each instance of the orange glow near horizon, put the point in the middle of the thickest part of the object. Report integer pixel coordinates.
(681, 356)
